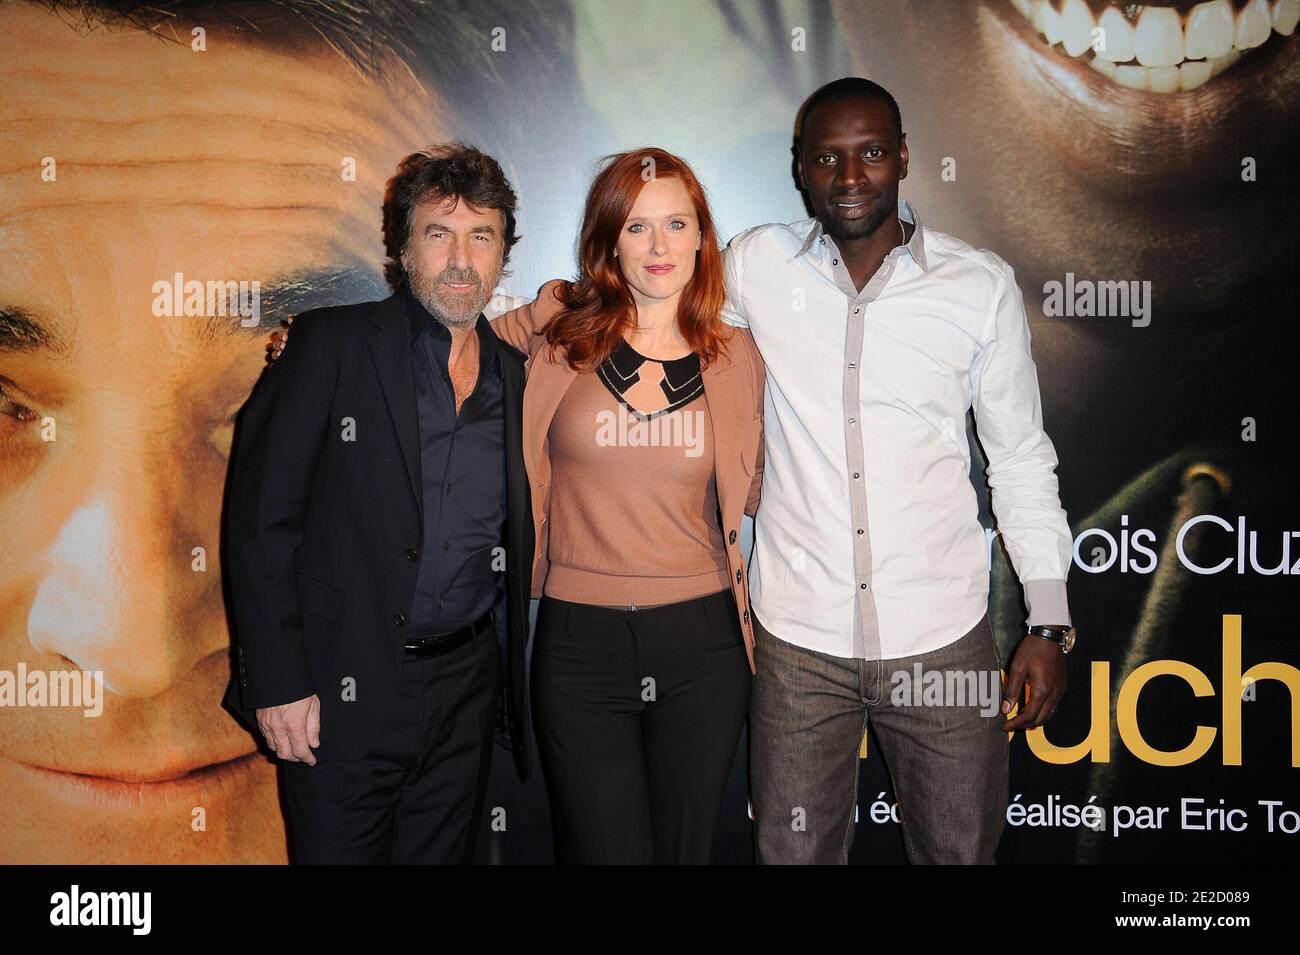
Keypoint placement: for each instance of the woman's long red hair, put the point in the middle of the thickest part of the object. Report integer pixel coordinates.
(598, 307)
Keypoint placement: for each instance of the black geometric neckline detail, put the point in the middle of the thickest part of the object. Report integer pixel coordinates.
(682, 382)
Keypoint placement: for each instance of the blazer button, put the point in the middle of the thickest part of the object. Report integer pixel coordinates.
(399, 620)
(731, 538)
(412, 553)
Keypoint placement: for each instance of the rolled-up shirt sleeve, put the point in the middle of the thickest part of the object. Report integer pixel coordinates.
(1025, 497)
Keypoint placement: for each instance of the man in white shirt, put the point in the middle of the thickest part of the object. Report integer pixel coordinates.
(870, 566)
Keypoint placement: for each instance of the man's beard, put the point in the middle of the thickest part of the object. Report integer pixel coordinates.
(847, 230)
(453, 311)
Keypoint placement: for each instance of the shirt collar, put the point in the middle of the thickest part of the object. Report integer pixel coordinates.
(906, 211)
(422, 323)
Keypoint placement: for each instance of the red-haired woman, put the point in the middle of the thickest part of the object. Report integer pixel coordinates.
(643, 445)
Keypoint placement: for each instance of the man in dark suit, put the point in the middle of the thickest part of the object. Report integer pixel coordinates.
(378, 492)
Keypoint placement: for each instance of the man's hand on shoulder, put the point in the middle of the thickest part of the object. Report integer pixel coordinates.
(279, 341)
(292, 730)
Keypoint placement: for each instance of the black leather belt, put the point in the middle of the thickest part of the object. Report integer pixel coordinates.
(435, 645)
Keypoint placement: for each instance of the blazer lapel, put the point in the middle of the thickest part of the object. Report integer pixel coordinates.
(548, 380)
(719, 380)
(390, 349)
(512, 378)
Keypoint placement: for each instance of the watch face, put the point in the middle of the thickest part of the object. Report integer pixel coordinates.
(1067, 642)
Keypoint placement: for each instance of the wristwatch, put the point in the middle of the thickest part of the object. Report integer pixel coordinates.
(1064, 636)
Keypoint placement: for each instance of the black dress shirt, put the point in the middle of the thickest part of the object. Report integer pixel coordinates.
(462, 470)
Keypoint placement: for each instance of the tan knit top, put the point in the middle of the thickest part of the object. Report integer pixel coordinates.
(634, 506)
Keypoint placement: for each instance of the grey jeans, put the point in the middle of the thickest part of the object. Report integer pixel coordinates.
(948, 761)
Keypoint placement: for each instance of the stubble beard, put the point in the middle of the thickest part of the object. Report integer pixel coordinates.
(453, 311)
(842, 230)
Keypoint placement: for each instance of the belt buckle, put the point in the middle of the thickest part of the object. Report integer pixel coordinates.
(422, 648)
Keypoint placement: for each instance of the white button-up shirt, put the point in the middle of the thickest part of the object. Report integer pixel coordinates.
(867, 542)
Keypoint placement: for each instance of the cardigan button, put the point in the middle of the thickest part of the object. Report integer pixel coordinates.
(731, 538)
